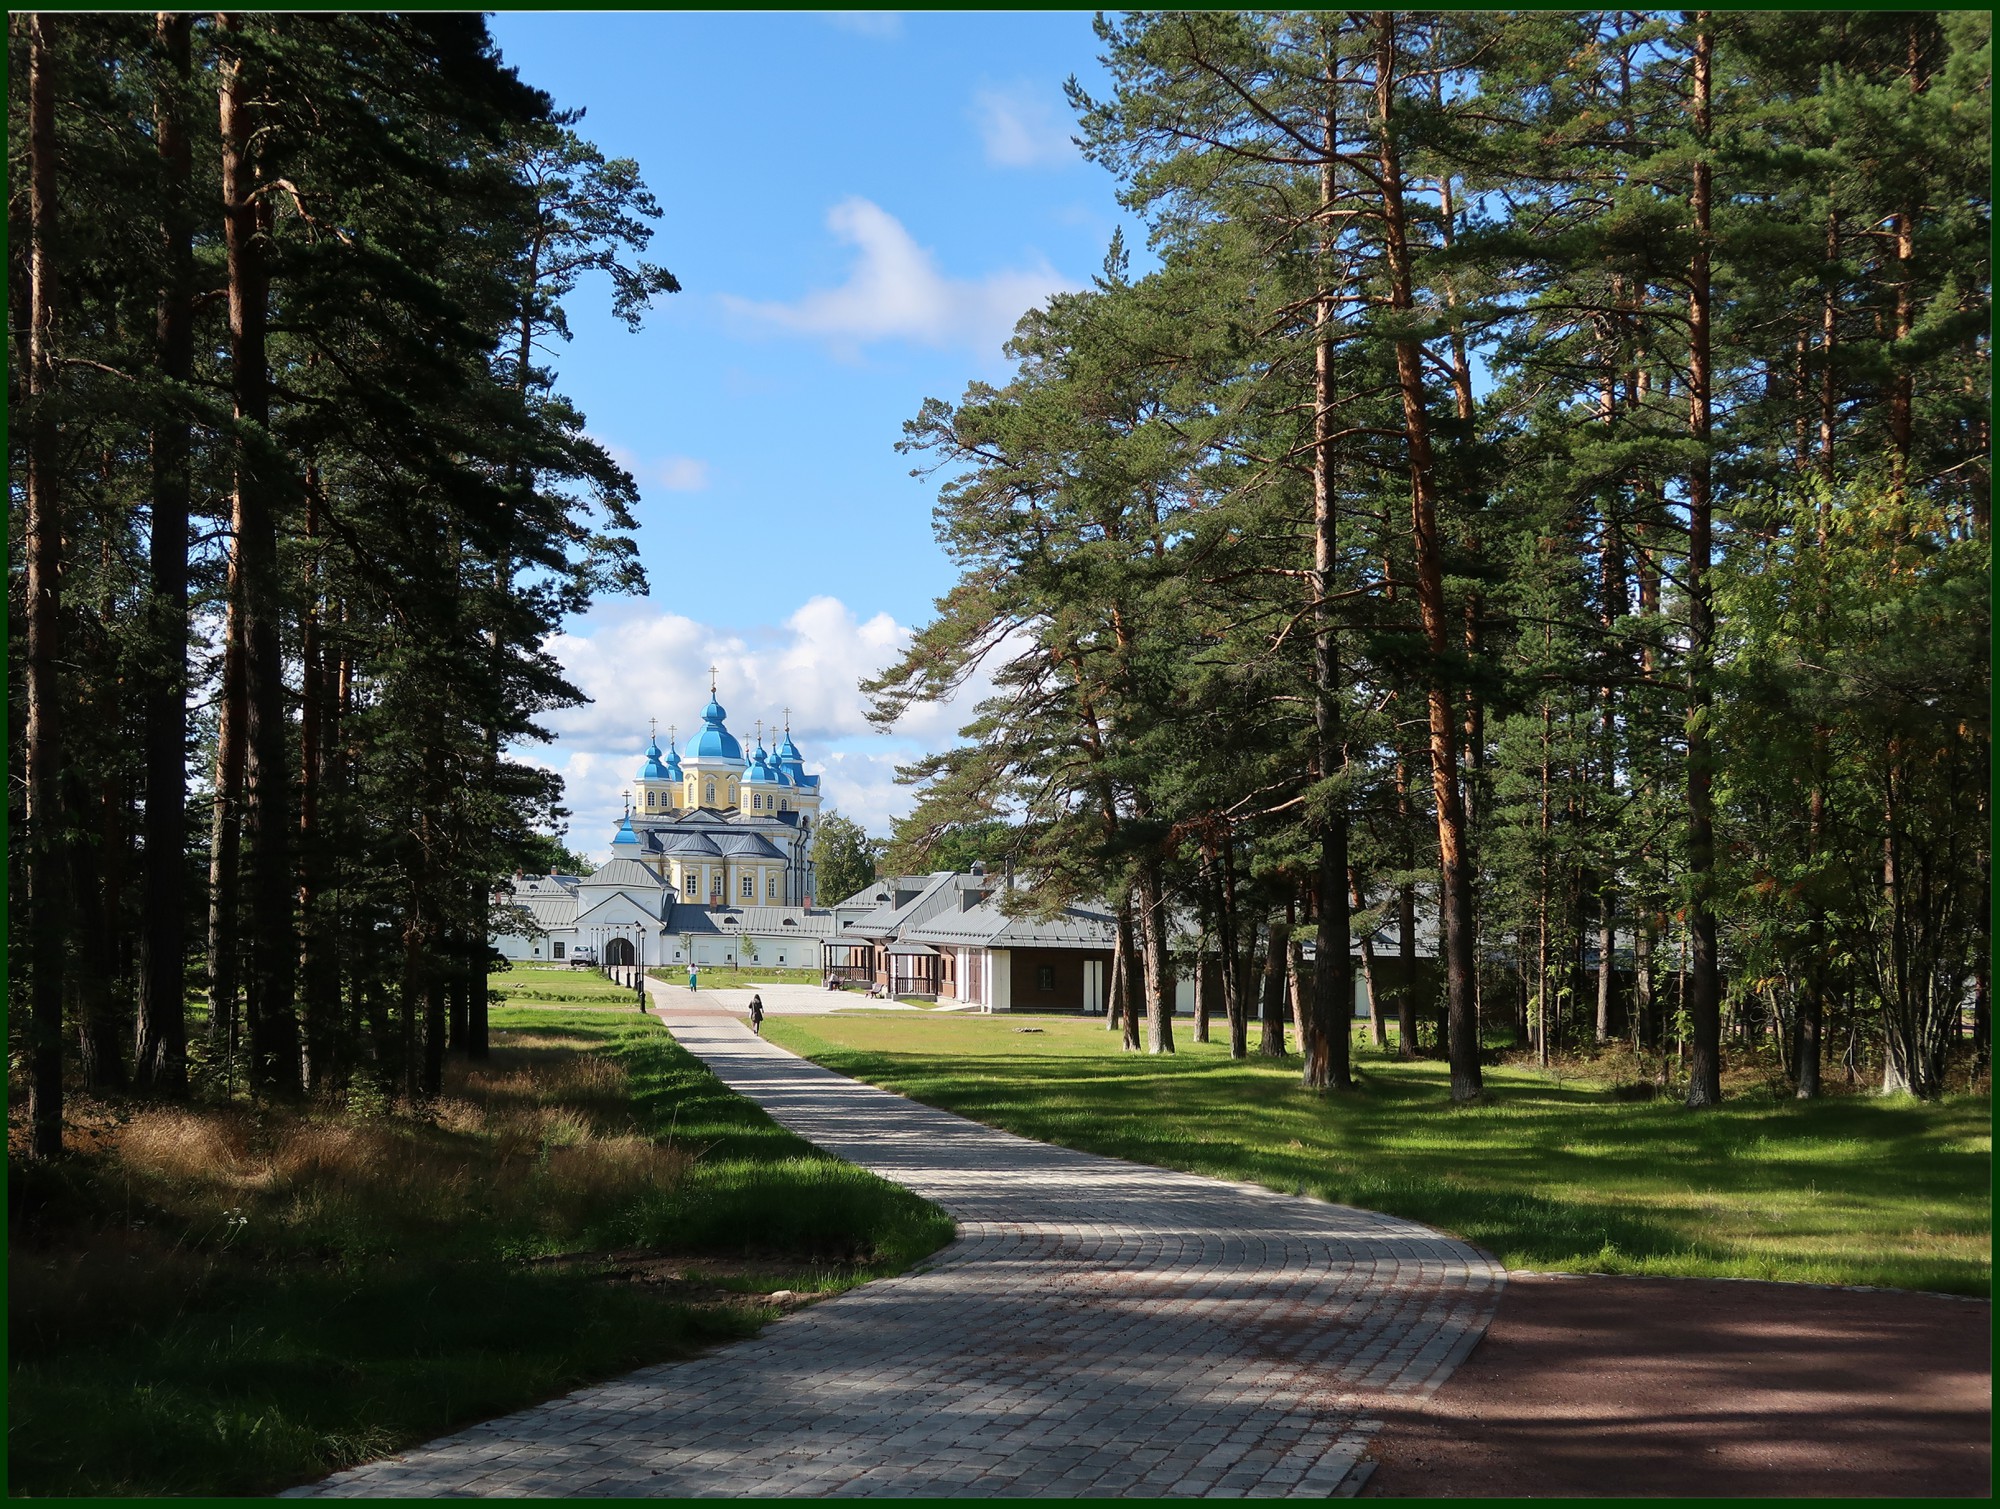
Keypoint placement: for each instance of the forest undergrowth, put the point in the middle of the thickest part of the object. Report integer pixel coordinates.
(233, 1298)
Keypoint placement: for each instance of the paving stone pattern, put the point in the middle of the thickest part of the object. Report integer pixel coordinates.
(1099, 1328)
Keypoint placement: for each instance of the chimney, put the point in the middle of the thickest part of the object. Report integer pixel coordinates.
(978, 867)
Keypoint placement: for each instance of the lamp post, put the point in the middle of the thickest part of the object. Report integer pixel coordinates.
(639, 980)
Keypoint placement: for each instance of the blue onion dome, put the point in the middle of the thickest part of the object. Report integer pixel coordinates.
(653, 770)
(791, 761)
(673, 763)
(626, 837)
(758, 772)
(714, 742)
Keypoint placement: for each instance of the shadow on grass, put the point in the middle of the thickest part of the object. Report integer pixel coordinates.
(158, 1348)
(1550, 1175)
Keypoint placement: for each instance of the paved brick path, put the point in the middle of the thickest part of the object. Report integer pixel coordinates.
(1099, 1328)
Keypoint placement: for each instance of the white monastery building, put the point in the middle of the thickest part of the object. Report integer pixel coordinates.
(712, 864)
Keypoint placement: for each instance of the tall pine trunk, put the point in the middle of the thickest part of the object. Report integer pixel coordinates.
(160, 1029)
(93, 906)
(1201, 996)
(319, 977)
(1704, 997)
(1455, 900)
(273, 951)
(48, 922)
(1612, 588)
(1323, 1034)
(1127, 955)
(1154, 922)
(1276, 953)
(1115, 1003)
(1378, 1021)
(1235, 1008)
(225, 851)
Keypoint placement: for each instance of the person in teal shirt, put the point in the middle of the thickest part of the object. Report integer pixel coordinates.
(694, 978)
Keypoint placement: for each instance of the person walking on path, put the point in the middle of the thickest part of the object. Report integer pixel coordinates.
(694, 978)
(757, 1015)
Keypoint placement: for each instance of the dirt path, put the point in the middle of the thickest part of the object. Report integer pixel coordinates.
(1690, 1387)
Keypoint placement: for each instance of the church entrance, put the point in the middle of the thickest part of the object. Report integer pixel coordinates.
(618, 951)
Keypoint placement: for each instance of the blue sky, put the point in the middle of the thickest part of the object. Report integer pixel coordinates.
(858, 207)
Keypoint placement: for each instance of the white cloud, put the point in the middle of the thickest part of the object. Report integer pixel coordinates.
(895, 291)
(884, 25)
(638, 663)
(674, 474)
(1021, 129)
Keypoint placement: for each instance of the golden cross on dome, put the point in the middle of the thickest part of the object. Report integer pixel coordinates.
(788, 722)
(760, 733)
(672, 729)
(711, 681)
(653, 728)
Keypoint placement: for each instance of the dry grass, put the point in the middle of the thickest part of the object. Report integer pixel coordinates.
(539, 1141)
(233, 1299)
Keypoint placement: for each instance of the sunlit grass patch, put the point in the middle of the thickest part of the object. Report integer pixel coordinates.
(1553, 1174)
(555, 984)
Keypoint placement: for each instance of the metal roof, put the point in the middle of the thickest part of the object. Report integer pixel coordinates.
(550, 912)
(986, 926)
(689, 843)
(753, 844)
(783, 921)
(624, 872)
(933, 893)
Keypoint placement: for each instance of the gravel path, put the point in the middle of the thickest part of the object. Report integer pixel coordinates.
(1099, 1327)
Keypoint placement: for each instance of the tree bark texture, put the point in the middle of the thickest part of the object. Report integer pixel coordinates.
(1455, 902)
(1323, 1018)
(1378, 1021)
(1201, 993)
(1131, 968)
(1154, 922)
(48, 925)
(273, 953)
(1704, 1001)
(1276, 952)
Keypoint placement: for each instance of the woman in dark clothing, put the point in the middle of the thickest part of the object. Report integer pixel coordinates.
(757, 1015)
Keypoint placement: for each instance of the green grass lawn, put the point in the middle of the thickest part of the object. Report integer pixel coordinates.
(226, 1300)
(555, 985)
(1550, 1175)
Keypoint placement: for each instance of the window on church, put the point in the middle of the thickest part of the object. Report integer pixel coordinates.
(557, 950)
(756, 803)
(649, 799)
(783, 805)
(749, 887)
(711, 791)
(771, 885)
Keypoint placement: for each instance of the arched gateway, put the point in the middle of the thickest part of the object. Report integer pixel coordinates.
(618, 951)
